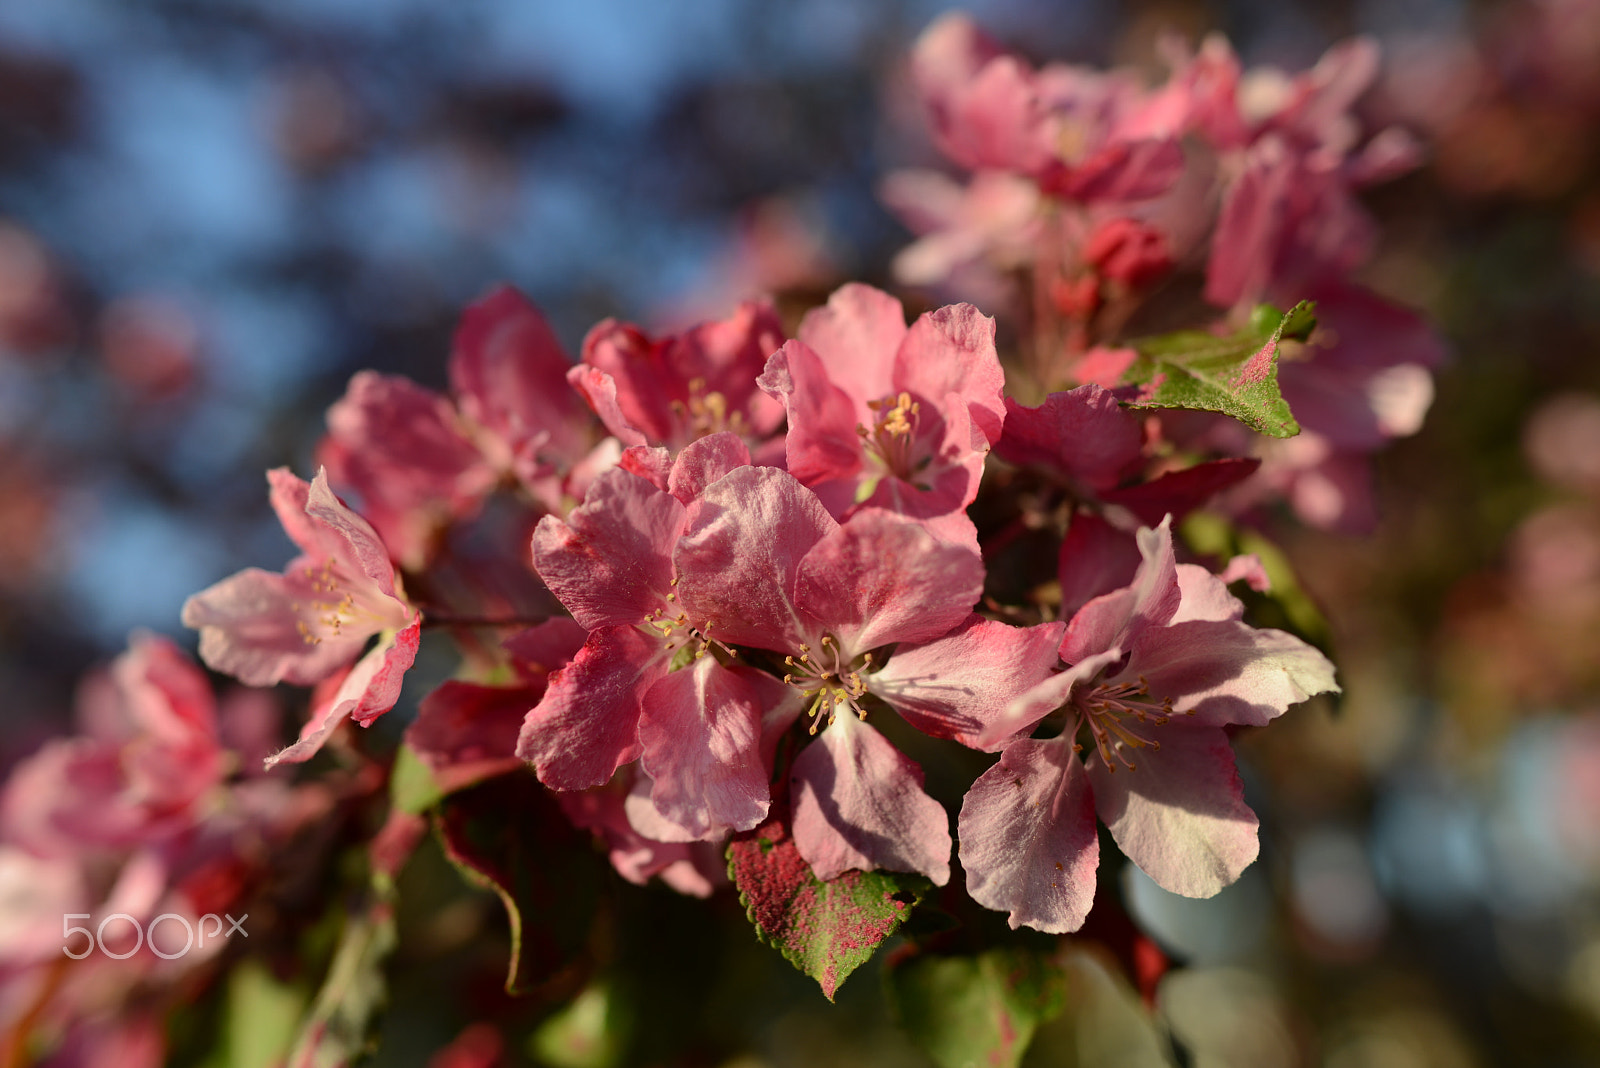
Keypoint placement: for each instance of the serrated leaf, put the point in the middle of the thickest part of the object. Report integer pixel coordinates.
(1236, 375)
(507, 836)
(825, 929)
(965, 1011)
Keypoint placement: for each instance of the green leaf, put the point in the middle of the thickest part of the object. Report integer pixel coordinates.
(336, 1032)
(826, 929)
(508, 836)
(591, 1032)
(1236, 375)
(966, 1011)
(259, 1016)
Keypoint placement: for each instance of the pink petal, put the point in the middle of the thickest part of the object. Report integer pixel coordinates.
(859, 803)
(1117, 618)
(701, 738)
(369, 690)
(821, 443)
(465, 732)
(587, 725)
(1125, 171)
(1181, 815)
(1082, 433)
(546, 646)
(249, 627)
(600, 391)
(351, 540)
(882, 578)
(705, 460)
(509, 374)
(1228, 672)
(1247, 568)
(1028, 838)
(950, 351)
(610, 563)
(398, 446)
(956, 686)
(653, 464)
(857, 337)
(635, 856)
(1205, 596)
(738, 560)
(1095, 559)
(1028, 708)
(288, 494)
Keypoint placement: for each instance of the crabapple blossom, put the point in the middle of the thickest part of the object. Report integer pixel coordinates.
(311, 621)
(1154, 673)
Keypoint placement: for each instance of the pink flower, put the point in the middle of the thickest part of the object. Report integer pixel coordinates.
(307, 623)
(885, 416)
(409, 456)
(697, 729)
(1155, 672)
(508, 372)
(765, 562)
(671, 390)
(990, 225)
(140, 772)
(1078, 132)
(1294, 156)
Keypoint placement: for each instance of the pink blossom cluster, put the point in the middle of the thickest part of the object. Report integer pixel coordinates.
(764, 548)
(1092, 195)
(157, 813)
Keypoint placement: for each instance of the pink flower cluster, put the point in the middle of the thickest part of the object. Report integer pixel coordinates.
(1094, 191)
(772, 556)
(157, 807)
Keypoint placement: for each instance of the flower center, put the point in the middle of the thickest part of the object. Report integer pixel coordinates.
(334, 608)
(707, 412)
(829, 678)
(892, 434)
(678, 633)
(1119, 717)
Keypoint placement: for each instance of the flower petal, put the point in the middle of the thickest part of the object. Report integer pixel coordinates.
(1181, 815)
(882, 578)
(950, 351)
(587, 725)
(857, 336)
(821, 443)
(1117, 618)
(737, 562)
(955, 686)
(1028, 838)
(1225, 671)
(703, 461)
(369, 690)
(249, 626)
(700, 736)
(859, 803)
(610, 563)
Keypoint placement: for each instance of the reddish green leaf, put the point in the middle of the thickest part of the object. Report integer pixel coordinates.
(508, 836)
(1236, 374)
(826, 929)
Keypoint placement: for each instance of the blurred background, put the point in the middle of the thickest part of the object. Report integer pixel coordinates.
(213, 213)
